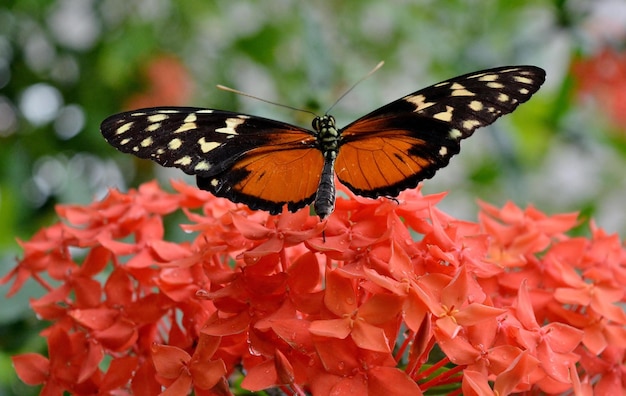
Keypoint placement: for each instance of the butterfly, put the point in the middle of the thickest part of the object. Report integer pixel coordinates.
(268, 164)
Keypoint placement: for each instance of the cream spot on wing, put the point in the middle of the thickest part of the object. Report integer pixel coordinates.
(169, 111)
(187, 126)
(202, 166)
(124, 128)
(455, 134)
(476, 105)
(138, 114)
(175, 144)
(160, 151)
(231, 125)
(441, 84)
(445, 115)
(190, 118)
(488, 77)
(523, 80)
(443, 151)
(158, 117)
(459, 90)
(124, 141)
(470, 124)
(523, 91)
(503, 97)
(205, 146)
(215, 182)
(496, 85)
(419, 101)
(184, 161)
(205, 111)
(146, 142)
(476, 75)
(153, 127)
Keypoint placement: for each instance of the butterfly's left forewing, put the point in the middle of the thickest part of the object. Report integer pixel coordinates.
(260, 162)
(406, 141)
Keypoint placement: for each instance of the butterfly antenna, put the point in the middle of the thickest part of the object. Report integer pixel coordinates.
(378, 66)
(225, 88)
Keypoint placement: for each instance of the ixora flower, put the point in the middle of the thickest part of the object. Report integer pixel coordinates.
(388, 297)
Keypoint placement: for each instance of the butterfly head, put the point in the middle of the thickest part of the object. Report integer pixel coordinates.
(326, 133)
(323, 123)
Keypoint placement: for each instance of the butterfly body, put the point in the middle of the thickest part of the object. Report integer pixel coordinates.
(268, 164)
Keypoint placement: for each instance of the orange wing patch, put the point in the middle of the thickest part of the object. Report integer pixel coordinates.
(279, 176)
(374, 163)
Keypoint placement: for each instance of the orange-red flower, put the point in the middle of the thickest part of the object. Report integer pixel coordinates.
(603, 76)
(511, 302)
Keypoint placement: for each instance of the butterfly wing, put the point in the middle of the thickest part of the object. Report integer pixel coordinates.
(398, 145)
(260, 162)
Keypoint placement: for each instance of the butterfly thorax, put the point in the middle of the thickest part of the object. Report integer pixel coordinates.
(327, 135)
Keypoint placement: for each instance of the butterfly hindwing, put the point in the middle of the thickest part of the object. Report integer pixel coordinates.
(406, 141)
(243, 158)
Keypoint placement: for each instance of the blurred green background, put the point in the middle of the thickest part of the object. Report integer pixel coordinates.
(67, 64)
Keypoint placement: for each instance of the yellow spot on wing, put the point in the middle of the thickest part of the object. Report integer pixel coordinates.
(476, 105)
(231, 124)
(175, 144)
(488, 77)
(470, 124)
(146, 142)
(153, 127)
(503, 97)
(205, 146)
(124, 128)
(419, 101)
(495, 85)
(524, 80)
(190, 118)
(455, 134)
(158, 117)
(187, 126)
(445, 115)
(459, 90)
(202, 166)
(184, 161)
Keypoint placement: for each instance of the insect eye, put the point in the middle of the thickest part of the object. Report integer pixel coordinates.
(316, 123)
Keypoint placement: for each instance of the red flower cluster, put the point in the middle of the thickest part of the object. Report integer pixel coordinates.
(603, 76)
(385, 298)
